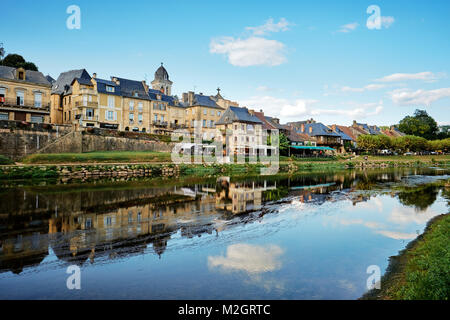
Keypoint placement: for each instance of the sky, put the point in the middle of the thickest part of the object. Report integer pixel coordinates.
(329, 60)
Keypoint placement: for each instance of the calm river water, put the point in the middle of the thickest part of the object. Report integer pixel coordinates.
(307, 237)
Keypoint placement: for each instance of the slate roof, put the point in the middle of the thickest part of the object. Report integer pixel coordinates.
(347, 131)
(152, 93)
(101, 87)
(206, 101)
(343, 134)
(318, 129)
(274, 123)
(9, 73)
(62, 84)
(161, 73)
(370, 129)
(50, 79)
(237, 114)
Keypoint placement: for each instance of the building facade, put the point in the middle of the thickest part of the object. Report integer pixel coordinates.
(24, 95)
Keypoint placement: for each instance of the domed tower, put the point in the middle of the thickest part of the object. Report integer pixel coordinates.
(161, 81)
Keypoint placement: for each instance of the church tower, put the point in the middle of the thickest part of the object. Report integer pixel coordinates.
(162, 82)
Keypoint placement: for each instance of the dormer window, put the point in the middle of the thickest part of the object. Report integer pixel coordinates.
(136, 94)
(109, 88)
(21, 75)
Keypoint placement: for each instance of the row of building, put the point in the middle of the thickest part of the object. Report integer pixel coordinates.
(83, 100)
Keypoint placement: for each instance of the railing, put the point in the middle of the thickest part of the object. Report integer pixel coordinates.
(162, 124)
(85, 104)
(88, 91)
(27, 103)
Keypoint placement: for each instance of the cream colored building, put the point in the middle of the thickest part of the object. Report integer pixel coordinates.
(24, 95)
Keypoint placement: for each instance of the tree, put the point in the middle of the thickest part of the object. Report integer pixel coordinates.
(284, 144)
(410, 143)
(421, 125)
(17, 61)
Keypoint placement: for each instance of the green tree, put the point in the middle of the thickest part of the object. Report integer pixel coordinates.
(420, 124)
(284, 144)
(17, 61)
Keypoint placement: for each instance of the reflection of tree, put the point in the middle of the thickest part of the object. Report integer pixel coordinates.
(420, 197)
(275, 194)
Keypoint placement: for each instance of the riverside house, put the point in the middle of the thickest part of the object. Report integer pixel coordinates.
(24, 95)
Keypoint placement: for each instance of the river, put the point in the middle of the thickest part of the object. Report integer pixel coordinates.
(311, 236)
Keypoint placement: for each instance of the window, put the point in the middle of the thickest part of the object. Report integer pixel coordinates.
(111, 102)
(90, 98)
(204, 123)
(162, 118)
(109, 89)
(89, 113)
(131, 105)
(85, 98)
(156, 117)
(140, 107)
(131, 117)
(110, 115)
(38, 100)
(136, 94)
(140, 118)
(249, 127)
(20, 97)
(21, 75)
(4, 116)
(218, 113)
(212, 112)
(193, 112)
(205, 112)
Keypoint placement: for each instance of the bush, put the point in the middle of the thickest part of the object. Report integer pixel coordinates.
(4, 160)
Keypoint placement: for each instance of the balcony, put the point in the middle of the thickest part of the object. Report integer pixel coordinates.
(28, 104)
(161, 124)
(88, 91)
(91, 104)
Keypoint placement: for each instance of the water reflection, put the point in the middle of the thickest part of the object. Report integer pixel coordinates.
(103, 223)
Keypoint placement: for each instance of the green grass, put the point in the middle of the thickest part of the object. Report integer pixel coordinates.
(98, 157)
(422, 270)
(4, 160)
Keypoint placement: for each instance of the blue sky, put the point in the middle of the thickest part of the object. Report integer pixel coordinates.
(293, 60)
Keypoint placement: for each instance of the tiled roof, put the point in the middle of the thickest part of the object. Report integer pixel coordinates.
(9, 73)
(62, 84)
(266, 124)
(274, 123)
(237, 114)
(342, 133)
(347, 131)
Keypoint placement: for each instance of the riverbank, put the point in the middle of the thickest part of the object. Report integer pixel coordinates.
(166, 168)
(422, 270)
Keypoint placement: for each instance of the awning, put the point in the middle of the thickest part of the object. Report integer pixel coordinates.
(313, 148)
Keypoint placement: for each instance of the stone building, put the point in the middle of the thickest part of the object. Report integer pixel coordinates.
(24, 95)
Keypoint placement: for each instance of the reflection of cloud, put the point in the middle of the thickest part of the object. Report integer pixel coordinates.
(249, 258)
(405, 215)
(347, 285)
(397, 235)
(368, 224)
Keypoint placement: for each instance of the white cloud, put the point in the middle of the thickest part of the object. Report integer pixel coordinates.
(264, 88)
(369, 87)
(348, 27)
(405, 215)
(249, 52)
(302, 108)
(386, 22)
(249, 258)
(408, 97)
(270, 26)
(425, 76)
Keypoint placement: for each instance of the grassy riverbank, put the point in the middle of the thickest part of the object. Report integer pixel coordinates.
(422, 270)
(160, 157)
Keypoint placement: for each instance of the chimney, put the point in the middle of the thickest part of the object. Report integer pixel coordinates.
(144, 84)
(261, 110)
(94, 75)
(115, 80)
(310, 130)
(201, 93)
(354, 122)
(302, 127)
(191, 97)
(185, 97)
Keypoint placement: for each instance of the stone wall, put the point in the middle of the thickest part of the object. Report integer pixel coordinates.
(18, 139)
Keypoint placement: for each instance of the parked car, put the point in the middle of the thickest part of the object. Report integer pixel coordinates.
(386, 152)
(434, 153)
(408, 154)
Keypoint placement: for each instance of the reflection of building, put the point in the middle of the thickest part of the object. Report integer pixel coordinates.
(24, 95)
